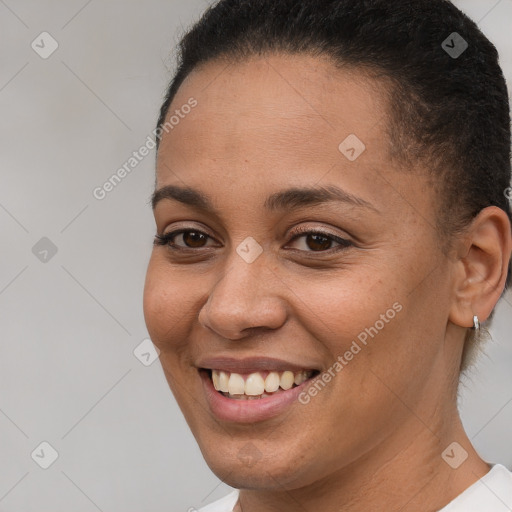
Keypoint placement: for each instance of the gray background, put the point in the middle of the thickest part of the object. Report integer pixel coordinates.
(70, 324)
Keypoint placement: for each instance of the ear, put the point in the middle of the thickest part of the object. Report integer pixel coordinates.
(481, 266)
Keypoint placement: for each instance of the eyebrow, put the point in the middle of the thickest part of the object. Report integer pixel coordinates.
(289, 199)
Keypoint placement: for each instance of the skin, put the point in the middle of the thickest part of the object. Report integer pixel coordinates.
(375, 434)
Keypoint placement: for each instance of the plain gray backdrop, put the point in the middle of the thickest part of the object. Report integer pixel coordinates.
(72, 266)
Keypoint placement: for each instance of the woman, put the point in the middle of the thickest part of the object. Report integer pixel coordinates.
(332, 228)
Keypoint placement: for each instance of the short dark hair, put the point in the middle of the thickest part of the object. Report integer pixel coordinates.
(449, 112)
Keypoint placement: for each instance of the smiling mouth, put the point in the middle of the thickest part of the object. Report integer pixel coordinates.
(257, 385)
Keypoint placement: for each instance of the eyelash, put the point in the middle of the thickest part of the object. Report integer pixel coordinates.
(166, 240)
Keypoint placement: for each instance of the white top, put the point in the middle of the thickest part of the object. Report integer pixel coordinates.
(492, 493)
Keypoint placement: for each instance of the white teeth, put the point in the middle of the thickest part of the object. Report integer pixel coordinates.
(223, 381)
(215, 379)
(272, 382)
(254, 385)
(236, 384)
(287, 380)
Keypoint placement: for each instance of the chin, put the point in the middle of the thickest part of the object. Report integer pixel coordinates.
(259, 476)
(243, 466)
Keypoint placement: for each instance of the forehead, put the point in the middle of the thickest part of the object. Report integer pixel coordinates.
(278, 120)
(290, 96)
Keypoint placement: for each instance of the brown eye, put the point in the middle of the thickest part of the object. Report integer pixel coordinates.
(194, 238)
(190, 239)
(318, 242)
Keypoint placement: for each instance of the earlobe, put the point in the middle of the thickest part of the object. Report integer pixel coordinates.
(481, 272)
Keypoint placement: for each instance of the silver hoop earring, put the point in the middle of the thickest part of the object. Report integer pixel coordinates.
(476, 323)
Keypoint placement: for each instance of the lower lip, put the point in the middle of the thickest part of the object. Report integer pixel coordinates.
(248, 411)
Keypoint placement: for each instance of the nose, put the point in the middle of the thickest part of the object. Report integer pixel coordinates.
(247, 297)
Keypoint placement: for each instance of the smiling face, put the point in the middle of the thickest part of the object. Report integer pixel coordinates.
(266, 279)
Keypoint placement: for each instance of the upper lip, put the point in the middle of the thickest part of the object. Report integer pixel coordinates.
(250, 364)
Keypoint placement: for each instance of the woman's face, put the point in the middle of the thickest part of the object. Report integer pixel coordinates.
(353, 286)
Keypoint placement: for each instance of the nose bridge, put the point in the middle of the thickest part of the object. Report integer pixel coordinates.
(245, 296)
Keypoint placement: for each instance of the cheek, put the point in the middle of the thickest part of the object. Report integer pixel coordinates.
(165, 310)
(338, 308)
(370, 320)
